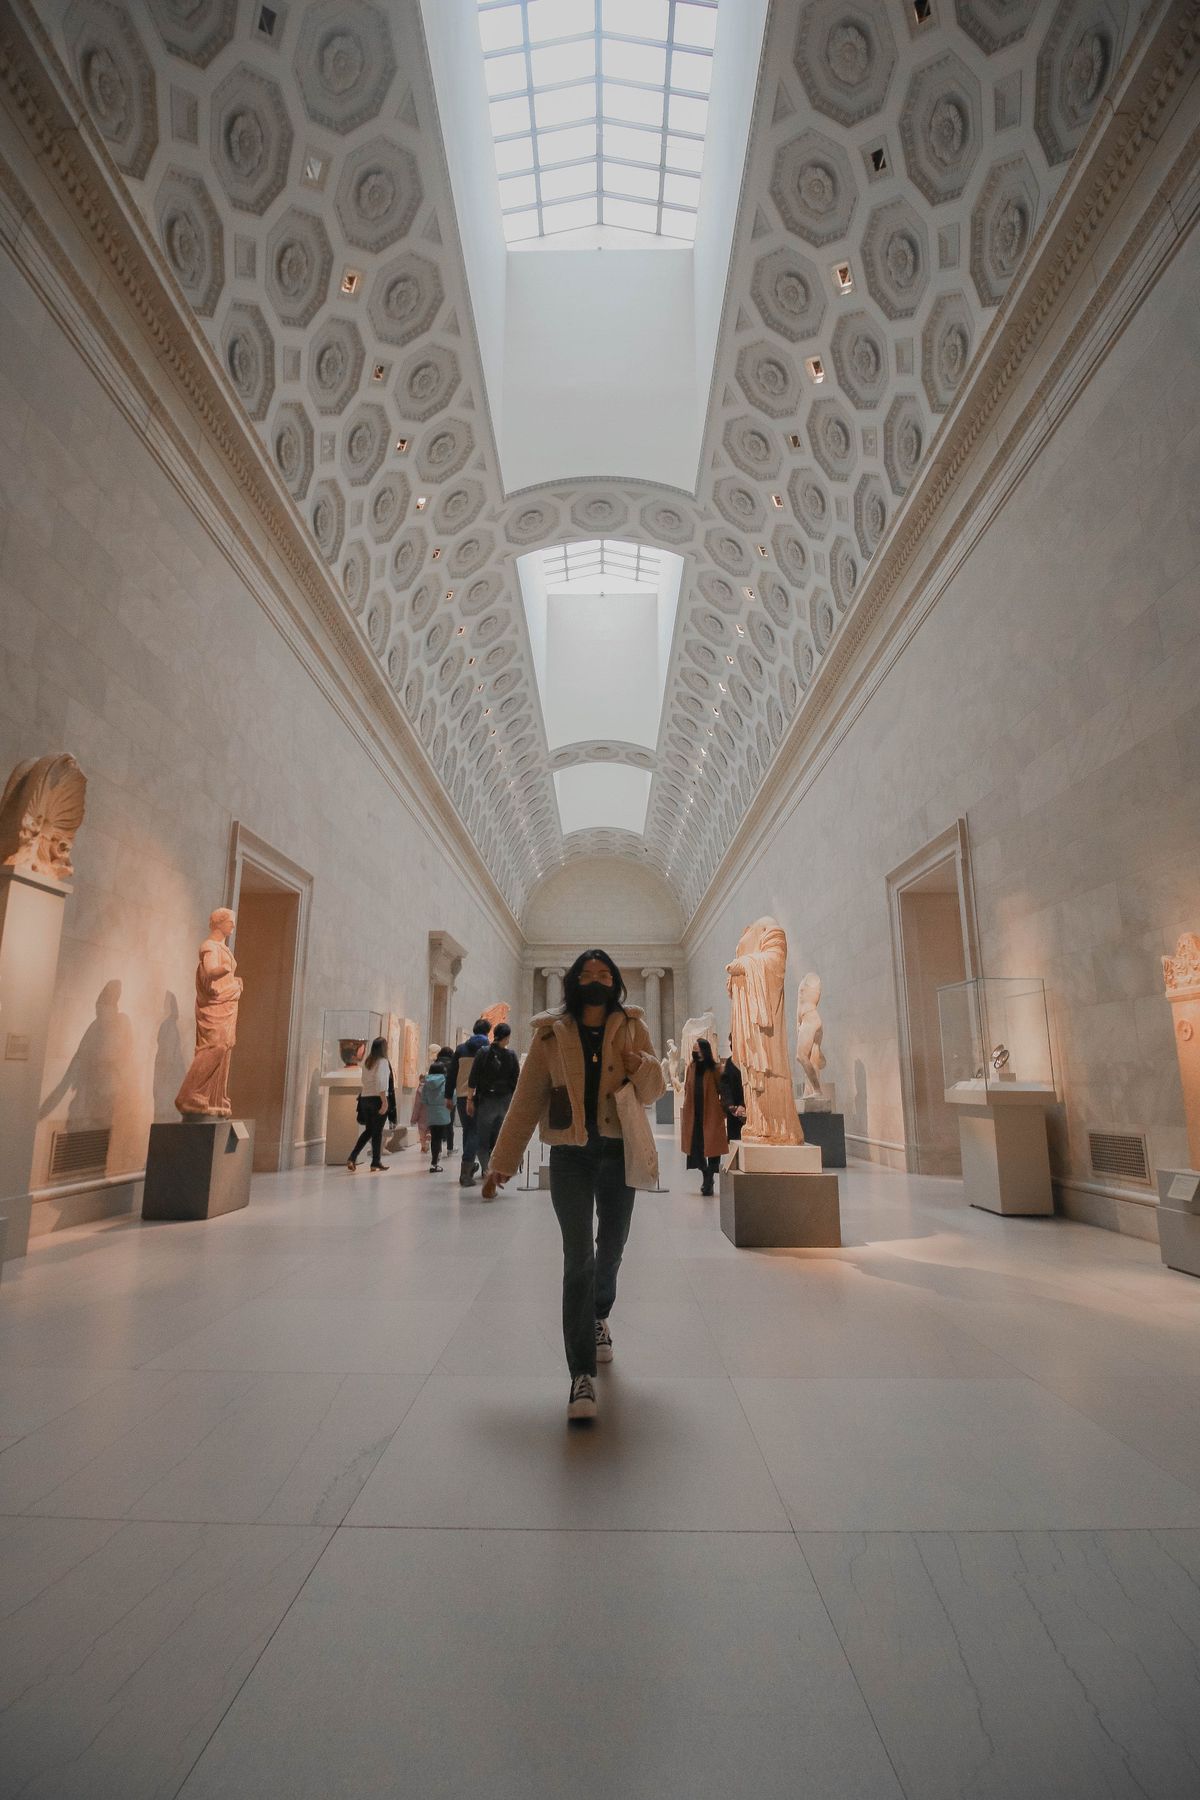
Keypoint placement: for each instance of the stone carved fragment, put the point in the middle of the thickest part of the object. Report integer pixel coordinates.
(1181, 979)
(41, 809)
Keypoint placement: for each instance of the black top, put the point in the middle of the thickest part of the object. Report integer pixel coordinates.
(733, 1091)
(591, 1038)
(494, 1072)
(466, 1052)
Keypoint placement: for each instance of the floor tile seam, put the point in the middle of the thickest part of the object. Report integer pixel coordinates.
(846, 1658)
(766, 1531)
(269, 1640)
(1117, 1438)
(684, 1262)
(354, 1497)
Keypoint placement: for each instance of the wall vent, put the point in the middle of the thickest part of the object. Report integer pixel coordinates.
(1120, 1153)
(74, 1154)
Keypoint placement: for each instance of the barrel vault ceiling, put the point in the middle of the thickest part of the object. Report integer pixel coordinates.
(288, 161)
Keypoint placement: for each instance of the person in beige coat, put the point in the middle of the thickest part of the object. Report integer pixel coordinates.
(578, 1059)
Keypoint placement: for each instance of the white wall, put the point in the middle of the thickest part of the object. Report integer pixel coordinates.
(127, 638)
(599, 366)
(601, 899)
(1053, 697)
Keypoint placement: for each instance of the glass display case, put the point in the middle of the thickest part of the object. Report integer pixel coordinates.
(995, 1035)
(345, 1039)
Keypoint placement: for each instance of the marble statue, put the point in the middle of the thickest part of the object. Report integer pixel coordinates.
(498, 1014)
(758, 1032)
(1181, 977)
(41, 809)
(204, 1092)
(672, 1068)
(704, 1025)
(809, 1032)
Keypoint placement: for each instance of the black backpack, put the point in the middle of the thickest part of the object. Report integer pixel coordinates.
(491, 1072)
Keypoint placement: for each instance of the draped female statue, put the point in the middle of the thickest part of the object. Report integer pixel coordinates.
(205, 1089)
(759, 1035)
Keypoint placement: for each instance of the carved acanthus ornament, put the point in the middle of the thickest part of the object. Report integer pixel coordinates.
(41, 809)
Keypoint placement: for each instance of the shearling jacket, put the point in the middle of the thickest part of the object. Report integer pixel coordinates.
(556, 1060)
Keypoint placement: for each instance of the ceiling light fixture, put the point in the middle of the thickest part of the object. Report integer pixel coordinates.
(843, 276)
(350, 281)
(422, 502)
(816, 368)
(402, 445)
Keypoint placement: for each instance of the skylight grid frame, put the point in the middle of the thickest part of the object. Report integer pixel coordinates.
(595, 558)
(667, 215)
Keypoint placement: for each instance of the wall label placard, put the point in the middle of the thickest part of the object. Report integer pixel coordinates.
(16, 1047)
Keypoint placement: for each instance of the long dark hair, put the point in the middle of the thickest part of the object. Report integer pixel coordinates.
(706, 1058)
(378, 1049)
(572, 1003)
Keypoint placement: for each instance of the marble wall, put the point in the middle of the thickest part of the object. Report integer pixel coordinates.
(127, 637)
(1053, 698)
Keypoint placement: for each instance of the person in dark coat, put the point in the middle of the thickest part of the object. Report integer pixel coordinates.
(733, 1099)
(704, 1130)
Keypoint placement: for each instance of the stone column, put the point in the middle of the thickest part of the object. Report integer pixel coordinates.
(652, 978)
(1181, 978)
(554, 988)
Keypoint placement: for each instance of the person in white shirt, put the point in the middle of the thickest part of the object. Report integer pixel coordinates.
(376, 1105)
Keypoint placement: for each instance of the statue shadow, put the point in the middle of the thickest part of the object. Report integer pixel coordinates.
(856, 1112)
(170, 1060)
(96, 1078)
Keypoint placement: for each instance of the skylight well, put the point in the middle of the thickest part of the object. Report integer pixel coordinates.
(597, 561)
(599, 110)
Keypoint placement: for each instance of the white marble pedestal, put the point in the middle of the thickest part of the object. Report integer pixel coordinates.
(341, 1114)
(1179, 1219)
(31, 916)
(1005, 1157)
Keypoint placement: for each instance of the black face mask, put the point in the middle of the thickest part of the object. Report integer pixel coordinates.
(596, 993)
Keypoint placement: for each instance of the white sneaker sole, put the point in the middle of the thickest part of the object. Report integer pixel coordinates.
(604, 1353)
(581, 1409)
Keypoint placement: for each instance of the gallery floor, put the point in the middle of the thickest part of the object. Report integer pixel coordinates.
(289, 1508)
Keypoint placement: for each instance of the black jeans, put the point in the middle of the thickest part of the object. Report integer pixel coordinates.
(373, 1133)
(440, 1138)
(489, 1117)
(589, 1196)
(468, 1137)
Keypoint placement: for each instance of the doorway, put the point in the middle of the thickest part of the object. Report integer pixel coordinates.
(933, 942)
(270, 898)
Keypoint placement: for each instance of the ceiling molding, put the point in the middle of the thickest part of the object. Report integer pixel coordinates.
(1111, 234)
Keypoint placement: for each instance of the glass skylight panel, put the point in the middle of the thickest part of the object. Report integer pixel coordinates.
(594, 559)
(612, 95)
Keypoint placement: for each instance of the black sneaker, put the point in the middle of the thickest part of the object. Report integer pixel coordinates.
(581, 1403)
(604, 1343)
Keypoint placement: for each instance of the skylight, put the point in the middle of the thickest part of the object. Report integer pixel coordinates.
(599, 110)
(590, 563)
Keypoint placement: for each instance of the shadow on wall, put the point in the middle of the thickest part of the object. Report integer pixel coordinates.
(170, 1060)
(856, 1112)
(97, 1076)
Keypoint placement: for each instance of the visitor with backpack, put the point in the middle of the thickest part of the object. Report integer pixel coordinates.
(462, 1061)
(490, 1087)
(437, 1108)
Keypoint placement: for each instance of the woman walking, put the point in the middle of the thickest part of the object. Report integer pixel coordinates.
(703, 1123)
(577, 1061)
(376, 1106)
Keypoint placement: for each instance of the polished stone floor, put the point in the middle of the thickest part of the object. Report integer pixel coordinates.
(289, 1510)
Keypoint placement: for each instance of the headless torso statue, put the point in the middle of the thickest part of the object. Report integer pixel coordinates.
(809, 1032)
(204, 1093)
(759, 1034)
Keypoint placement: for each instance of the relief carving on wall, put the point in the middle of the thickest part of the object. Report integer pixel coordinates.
(41, 809)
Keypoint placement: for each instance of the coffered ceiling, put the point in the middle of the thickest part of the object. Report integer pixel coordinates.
(288, 162)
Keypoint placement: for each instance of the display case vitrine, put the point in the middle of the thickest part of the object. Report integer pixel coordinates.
(995, 1035)
(346, 1037)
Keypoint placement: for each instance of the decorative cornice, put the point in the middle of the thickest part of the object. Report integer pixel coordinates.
(72, 158)
(942, 519)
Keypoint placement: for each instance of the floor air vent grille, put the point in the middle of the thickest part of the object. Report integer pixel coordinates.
(74, 1154)
(1120, 1153)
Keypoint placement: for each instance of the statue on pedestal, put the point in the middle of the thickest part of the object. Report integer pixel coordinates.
(204, 1093)
(672, 1068)
(809, 1032)
(758, 1033)
(1181, 978)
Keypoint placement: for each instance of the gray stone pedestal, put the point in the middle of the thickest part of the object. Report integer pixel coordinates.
(664, 1109)
(780, 1211)
(198, 1168)
(828, 1129)
(1179, 1219)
